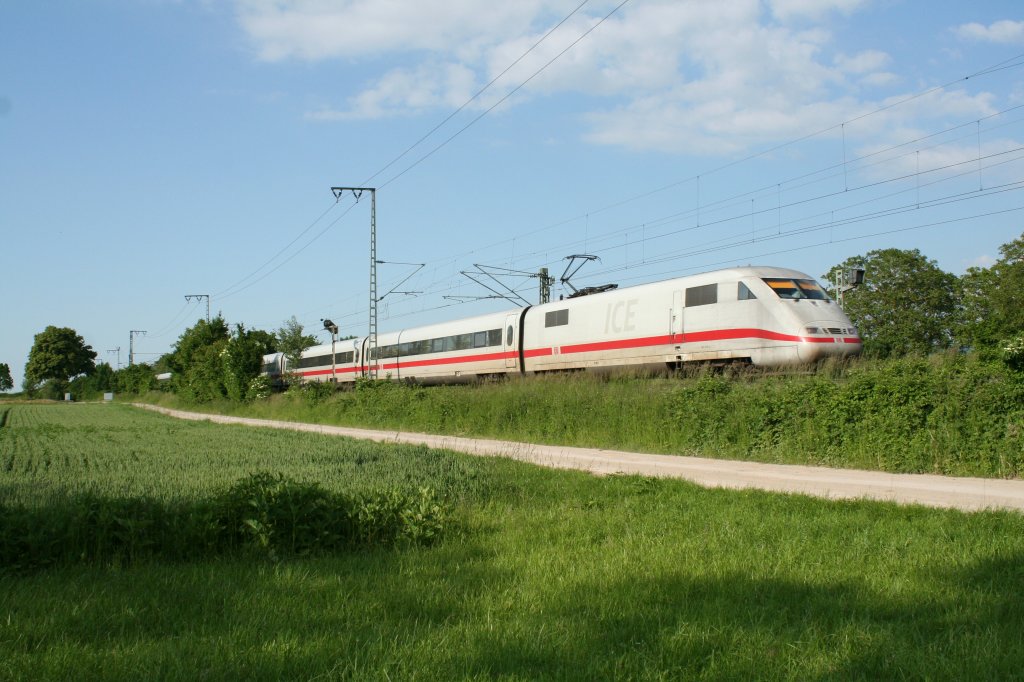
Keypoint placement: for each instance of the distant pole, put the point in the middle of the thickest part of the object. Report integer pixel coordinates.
(131, 345)
(118, 351)
(545, 285)
(371, 345)
(189, 297)
(333, 329)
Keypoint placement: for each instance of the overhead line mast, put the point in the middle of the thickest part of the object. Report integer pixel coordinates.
(371, 346)
(189, 297)
(131, 345)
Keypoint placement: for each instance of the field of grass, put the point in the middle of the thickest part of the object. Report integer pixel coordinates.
(541, 575)
(947, 414)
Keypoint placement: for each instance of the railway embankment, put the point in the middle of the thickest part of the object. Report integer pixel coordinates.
(965, 493)
(948, 415)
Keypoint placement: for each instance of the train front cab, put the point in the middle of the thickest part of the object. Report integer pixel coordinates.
(765, 316)
(822, 328)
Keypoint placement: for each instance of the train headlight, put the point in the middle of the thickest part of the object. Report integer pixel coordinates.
(812, 330)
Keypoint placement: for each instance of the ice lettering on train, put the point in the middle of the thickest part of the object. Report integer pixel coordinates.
(621, 317)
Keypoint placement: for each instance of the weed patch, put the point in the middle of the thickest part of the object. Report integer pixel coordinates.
(267, 515)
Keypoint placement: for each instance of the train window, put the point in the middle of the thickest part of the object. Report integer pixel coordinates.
(343, 358)
(509, 336)
(437, 345)
(556, 318)
(315, 361)
(743, 293)
(463, 341)
(796, 288)
(494, 337)
(703, 295)
(811, 289)
(479, 339)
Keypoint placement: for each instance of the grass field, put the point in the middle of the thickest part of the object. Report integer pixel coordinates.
(541, 575)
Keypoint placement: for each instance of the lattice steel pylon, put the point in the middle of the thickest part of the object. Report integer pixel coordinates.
(370, 357)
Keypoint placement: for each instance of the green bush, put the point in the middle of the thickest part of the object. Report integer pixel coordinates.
(948, 414)
(264, 514)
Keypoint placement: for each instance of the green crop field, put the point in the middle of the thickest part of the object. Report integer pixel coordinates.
(534, 573)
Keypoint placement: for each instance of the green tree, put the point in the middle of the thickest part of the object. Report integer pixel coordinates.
(292, 341)
(266, 341)
(991, 309)
(58, 355)
(209, 363)
(196, 338)
(6, 382)
(242, 362)
(136, 379)
(203, 380)
(92, 385)
(196, 364)
(906, 305)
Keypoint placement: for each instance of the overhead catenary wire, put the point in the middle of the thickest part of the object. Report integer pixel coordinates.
(504, 98)
(746, 213)
(935, 202)
(1005, 64)
(252, 278)
(476, 95)
(1013, 62)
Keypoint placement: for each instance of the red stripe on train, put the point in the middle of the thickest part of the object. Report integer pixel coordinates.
(620, 344)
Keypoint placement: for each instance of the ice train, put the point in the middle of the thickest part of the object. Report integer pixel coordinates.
(764, 316)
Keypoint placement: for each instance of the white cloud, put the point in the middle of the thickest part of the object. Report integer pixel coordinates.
(406, 92)
(320, 29)
(1005, 31)
(982, 261)
(862, 62)
(700, 76)
(880, 79)
(814, 9)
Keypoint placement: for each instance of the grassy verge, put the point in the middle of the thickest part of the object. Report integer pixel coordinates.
(948, 414)
(550, 575)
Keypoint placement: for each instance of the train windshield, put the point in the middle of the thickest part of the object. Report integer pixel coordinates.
(796, 288)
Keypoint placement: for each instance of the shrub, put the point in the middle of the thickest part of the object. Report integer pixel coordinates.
(264, 514)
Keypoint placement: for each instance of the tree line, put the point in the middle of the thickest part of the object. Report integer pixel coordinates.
(906, 306)
(209, 361)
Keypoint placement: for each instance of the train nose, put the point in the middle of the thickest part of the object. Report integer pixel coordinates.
(828, 338)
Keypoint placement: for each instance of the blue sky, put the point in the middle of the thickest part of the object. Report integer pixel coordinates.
(151, 149)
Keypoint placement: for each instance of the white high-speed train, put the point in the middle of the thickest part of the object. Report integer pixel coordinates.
(759, 315)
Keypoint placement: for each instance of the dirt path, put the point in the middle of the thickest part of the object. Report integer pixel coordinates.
(933, 491)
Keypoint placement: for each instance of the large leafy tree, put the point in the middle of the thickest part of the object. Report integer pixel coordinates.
(58, 355)
(242, 361)
(209, 362)
(991, 308)
(906, 305)
(137, 378)
(292, 340)
(195, 340)
(6, 382)
(264, 340)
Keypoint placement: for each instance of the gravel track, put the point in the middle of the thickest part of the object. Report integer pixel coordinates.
(969, 494)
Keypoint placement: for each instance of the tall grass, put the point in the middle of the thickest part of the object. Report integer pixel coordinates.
(263, 515)
(547, 575)
(948, 414)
